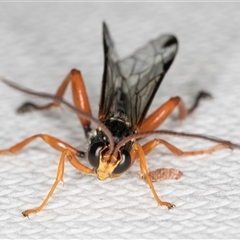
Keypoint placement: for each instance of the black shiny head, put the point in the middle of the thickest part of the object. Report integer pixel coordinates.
(99, 148)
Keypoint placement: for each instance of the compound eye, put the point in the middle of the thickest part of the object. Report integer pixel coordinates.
(124, 164)
(94, 154)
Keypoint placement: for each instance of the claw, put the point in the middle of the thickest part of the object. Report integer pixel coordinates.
(168, 205)
(27, 212)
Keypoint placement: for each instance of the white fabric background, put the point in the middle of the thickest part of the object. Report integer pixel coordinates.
(41, 42)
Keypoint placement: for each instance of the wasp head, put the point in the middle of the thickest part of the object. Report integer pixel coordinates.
(105, 163)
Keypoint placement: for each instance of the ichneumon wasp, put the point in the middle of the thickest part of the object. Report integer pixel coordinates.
(128, 88)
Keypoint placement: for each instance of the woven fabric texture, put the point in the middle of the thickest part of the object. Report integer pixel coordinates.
(41, 42)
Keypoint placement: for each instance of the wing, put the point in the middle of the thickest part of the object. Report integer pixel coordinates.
(142, 74)
(130, 85)
(111, 76)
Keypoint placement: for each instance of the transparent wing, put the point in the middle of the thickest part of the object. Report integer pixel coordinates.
(129, 85)
(142, 74)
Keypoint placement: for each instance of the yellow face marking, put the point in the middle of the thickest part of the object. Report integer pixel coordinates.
(107, 164)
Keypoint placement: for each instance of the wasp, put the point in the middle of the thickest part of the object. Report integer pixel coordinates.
(128, 88)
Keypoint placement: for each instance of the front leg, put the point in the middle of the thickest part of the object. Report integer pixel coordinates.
(67, 151)
(144, 172)
(59, 178)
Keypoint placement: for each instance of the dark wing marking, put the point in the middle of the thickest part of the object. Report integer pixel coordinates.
(129, 85)
(142, 74)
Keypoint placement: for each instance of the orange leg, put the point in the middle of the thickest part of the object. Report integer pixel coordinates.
(163, 173)
(79, 93)
(144, 171)
(59, 178)
(67, 151)
(52, 141)
(139, 152)
(162, 113)
(148, 147)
